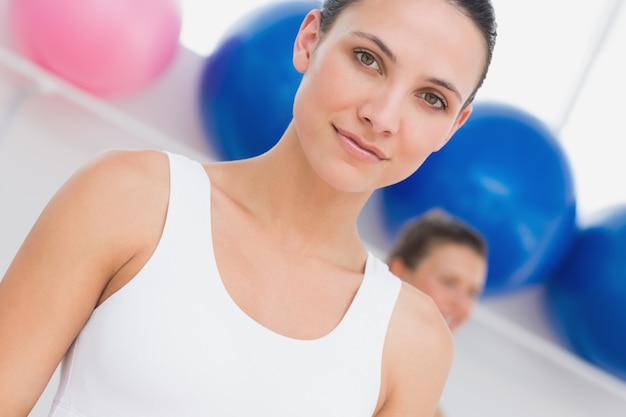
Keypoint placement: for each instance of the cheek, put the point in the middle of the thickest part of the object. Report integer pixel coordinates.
(421, 136)
(410, 157)
(437, 292)
(450, 295)
(329, 75)
(319, 95)
(442, 300)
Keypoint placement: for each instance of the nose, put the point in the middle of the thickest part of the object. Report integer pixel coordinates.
(382, 110)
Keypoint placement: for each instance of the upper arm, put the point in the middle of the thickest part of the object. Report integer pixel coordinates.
(417, 357)
(91, 227)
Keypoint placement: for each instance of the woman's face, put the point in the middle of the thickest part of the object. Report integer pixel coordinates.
(453, 275)
(383, 88)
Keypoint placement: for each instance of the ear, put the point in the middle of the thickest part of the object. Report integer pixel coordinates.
(396, 267)
(460, 121)
(306, 39)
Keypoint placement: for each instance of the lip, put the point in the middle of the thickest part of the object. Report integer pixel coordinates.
(359, 148)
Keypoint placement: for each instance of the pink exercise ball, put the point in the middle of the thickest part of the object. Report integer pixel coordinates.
(107, 47)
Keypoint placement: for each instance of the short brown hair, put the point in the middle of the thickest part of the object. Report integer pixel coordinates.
(433, 228)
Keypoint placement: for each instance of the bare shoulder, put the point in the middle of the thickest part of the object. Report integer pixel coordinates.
(417, 356)
(417, 332)
(119, 167)
(418, 319)
(119, 191)
(125, 180)
(106, 213)
(109, 212)
(98, 229)
(125, 195)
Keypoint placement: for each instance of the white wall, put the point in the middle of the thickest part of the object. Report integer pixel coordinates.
(507, 361)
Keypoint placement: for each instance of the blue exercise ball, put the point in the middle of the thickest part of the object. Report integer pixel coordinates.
(505, 174)
(586, 295)
(248, 83)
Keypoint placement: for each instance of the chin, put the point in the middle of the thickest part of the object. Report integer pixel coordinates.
(346, 179)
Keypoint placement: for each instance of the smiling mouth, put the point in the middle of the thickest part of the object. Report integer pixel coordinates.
(359, 148)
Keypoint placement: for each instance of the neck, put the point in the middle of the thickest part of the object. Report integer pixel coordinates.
(283, 191)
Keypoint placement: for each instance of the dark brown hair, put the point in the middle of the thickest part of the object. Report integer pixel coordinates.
(431, 229)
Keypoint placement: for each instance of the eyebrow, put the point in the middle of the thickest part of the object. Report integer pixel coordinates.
(378, 42)
(446, 85)
(442, 83)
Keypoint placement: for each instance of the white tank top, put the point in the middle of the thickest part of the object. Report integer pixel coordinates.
(172, 343)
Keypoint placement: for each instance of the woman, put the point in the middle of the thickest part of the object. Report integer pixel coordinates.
(446, 258)
(242, 288)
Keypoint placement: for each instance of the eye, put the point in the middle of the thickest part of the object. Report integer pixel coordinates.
(448, 282)
(366, 58)
(434, 101)
(474, 293)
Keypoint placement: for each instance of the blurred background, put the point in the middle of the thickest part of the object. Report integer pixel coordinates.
(547, 339)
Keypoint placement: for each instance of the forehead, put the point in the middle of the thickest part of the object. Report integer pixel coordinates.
(431, 38)
(459, 259)
(444, 248)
